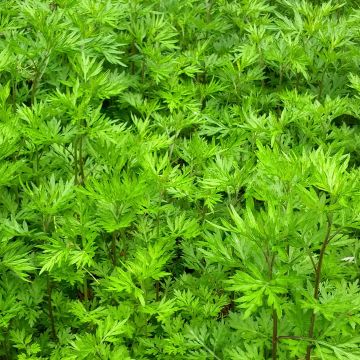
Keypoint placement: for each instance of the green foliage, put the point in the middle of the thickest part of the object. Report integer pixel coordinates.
(179, 179)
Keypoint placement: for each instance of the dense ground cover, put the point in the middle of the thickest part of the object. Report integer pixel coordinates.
(179, 179)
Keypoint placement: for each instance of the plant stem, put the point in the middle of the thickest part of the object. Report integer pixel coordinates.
(143, 71)
(13, 97)
(133, 52)
(274, 335)
(113, 248)
(297, 81)
(6, 344)
(86, 290)
(34, 88)
(49, 290)
(50, 310)
(38, 75)
(161, 193)
(271, 262)
(317, 283)
(81, 161)
(86, 293)
(208, 6)
(75, 162)
(321, 85)
(36, 165)
(312, 261)
(78, 156)
(281, 76)
(157, 287)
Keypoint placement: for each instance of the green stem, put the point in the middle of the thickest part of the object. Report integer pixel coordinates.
(321, 85)
(297, 81)
(50, 309)
(86, 291)
(158, 212)
(143, 71)
(281, 76)
(157, 286)
(275, 319)
(13, 97)
(39, 72)
(49, 291)
(208, 6)
(113, 248)
(34, 88)
(36, 165)
(6, 344)
(133, 52)
(75, 162)
(274, 334)
(81, 161)
(317, 283)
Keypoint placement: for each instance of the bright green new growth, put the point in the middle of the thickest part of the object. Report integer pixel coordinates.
(179, 179)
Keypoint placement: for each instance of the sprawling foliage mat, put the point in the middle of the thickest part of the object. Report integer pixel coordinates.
(179, 179)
